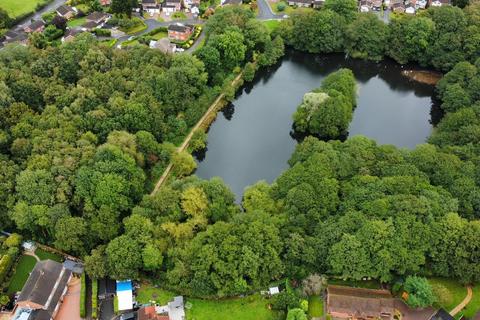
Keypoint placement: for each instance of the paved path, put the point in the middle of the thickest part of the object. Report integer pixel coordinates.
(184, 145)
(464, 303)
(32, 254)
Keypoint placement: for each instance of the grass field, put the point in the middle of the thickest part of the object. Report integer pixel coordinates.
(44, 255)
(248, 308)
(16, 8)
(147, 293)
(474, 306)
(140, 26)
(22, 271)
(315, 306)
(457, 292)
(76, 22)
(271, 24)
(160, 35)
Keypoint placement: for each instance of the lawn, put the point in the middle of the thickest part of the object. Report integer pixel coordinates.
(76, 22)
(24, 266)
(159, 35)
(474, 306)
(271, 24)
(249, 308)
(288, 9)
(110, 42)
(315, 306)
(44, 255)
(16, 8)
(139, 26)
(147, 293)
(179, 16)
(456, 292)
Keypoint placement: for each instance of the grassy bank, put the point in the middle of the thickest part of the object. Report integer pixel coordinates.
(24, 266)
(17, 8)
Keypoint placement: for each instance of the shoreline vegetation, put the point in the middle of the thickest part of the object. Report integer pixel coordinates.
(423, 76)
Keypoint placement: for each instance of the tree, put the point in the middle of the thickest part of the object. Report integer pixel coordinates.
(4, 300)
(96, 263)
(59, 22)
(420, 293)
(296, 314)
(231, 47)
(366, 37)
(5, 20)
(123, 6)
(314, 285)
(183, 163)
(70, 235)
(152, 257)
(345, 8)
(124, 258)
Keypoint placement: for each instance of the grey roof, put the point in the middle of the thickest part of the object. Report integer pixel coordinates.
(149, 1)
(90, 25)
(75, 267)
(36, 24)
(64, 9)
(96, 16)
(176, 309)
(232, 2)
(11, 34)
(45, 285)
(179, 27)
(442, 315)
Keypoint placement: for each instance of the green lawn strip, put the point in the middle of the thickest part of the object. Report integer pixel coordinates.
(159, 35)
(369, 284)
(179, 16)
(474, 306)
(76, 22)
(457, 292)
(249, 308)
(44, 255)
(110, 42)
(147, 294)
(94, 298)
(24, 266)
(83, 7)
(137, 28)
(315, 306)
(83, 296)
(271, 24)
(16, 8)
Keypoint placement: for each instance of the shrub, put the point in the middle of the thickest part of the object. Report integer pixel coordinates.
(83, 296)
(443, 296)
(198, 141)
(94, 298)
(420, 293)
(281, 6)
(115, 305)
(103, 32)
(5, 266)
(13, 241)
(285, 300)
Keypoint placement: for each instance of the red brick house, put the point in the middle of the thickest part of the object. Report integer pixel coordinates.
(36, 26)
(180, 32)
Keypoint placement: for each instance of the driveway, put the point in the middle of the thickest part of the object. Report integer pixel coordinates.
(70, 307)
(265, 12)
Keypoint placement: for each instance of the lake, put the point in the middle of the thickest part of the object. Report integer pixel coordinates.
(252, 138)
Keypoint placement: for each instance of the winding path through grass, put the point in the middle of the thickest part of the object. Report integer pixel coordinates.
(464, 303)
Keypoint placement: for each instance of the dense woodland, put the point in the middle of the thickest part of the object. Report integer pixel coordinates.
(85, 129)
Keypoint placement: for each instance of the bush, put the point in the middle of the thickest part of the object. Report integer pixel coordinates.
(103, 32)
(94, 298)
(13, 241)
(420, 293)
(198, 141)
(83, 296)
(5, 266)
(281, 6)
(285, 300)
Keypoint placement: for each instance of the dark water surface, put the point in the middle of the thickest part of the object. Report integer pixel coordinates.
(251, 139)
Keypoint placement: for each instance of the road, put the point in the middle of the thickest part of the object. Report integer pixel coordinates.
(37, 15)
(265, 12)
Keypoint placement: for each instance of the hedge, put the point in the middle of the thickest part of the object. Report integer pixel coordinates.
(5, 265)
(83, 296)
(103, 32)
(94, 298)
(115, 305)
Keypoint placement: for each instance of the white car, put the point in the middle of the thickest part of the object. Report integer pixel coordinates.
(285, 16)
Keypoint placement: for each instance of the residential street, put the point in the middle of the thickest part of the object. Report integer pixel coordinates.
(265, 12)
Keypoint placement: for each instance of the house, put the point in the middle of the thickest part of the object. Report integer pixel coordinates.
(150, 6)
(168, 9)
(410, 10)
(70, 35)
(300, 3)
(43, 292)
(16, 37)
(163, 45)
(66, 12)
(440, 3)
(355, 303)
(10, 34)
(180, 32)
(149, 313)
(105, 2)
(398, 7)
(175, 310)
(177, 4)
(125, 295)
(442, 315)
(98, 17)
(36, 26)
(317, 4)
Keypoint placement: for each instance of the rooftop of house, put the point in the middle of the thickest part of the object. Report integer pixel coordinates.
(96, 16)
(442, 315)
(154, 2)
(45, 286)
(178, 27)
(36, 24)
(64, 9)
